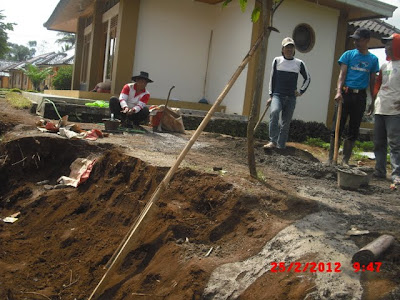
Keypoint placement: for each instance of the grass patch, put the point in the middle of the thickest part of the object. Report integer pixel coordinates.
(317, 142)
(261, 177)
(364, 146)
(18, 101)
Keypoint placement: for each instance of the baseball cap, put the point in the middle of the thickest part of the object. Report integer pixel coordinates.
(287, 41)
(361, 33)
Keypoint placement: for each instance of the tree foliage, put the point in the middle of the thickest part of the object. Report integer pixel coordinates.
(63, 79)
(255, 15)
(37, 75)
(66, 40)
(3, 34)
(20, 52)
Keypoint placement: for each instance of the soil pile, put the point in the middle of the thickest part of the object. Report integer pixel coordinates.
(64, 237)
(212, 234)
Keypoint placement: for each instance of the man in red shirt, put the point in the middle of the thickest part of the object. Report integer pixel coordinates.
(131, 104)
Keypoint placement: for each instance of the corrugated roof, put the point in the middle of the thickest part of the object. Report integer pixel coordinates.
(64, 58)
(4, 64)
(376, 25)
(52, 58)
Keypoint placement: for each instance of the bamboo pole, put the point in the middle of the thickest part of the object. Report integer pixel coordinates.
(124, 249)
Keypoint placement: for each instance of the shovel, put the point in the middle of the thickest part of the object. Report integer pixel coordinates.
(337, 128)
(263, 114)
(165, 108)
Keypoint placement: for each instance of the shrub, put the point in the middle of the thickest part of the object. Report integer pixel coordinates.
(15, 90)
(364, 146)
(63, 79)
(300, 131)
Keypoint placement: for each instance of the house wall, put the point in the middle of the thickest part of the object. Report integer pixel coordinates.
(173, 43)
(231, 42)
(313, 105)
(4, 82)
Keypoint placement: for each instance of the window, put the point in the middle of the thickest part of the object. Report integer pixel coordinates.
(85, 58)
(111, 40)
(304, 37)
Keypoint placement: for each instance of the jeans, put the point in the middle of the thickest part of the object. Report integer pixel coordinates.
(386, 131)
(279, 134)
(353, 107)
(115, 108)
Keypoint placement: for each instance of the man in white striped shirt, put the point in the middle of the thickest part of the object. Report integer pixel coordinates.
(283, 92)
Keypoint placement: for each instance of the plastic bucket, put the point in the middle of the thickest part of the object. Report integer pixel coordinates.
(111, 125)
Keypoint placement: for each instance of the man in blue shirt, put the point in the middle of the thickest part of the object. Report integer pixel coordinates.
(358, 68)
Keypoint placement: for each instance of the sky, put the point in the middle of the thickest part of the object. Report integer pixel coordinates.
(31, 15)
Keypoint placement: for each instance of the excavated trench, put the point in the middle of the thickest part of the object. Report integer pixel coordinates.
(65, 236)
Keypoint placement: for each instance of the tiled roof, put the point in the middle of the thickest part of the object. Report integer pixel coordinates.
(376, 26)
(64, 58)
(4, 64)
(52, 58)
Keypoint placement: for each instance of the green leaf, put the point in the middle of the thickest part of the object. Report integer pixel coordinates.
(243, 4)
(226, 2)
(256, 14)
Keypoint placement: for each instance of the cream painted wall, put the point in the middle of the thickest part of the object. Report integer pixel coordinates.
(231, 42)
(173, 44)
(313, 105)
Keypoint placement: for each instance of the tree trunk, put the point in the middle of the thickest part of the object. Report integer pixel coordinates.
(266, 11)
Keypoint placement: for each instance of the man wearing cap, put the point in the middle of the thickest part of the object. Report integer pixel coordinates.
(283, 92)
(387, 110)
(131, 104)
(357, 73)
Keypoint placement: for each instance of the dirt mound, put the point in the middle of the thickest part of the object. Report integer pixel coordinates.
(64, 237)
(207, 221)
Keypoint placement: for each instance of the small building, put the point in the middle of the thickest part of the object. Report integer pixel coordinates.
(17, 77)
(196, 46)
(60, 60)
(4, 74)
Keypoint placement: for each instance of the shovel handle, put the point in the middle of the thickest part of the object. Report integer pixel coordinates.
(169, 93)
(165, 107)
(262, 116)
(337, 129)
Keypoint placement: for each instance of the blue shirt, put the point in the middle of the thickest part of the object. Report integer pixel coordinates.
(359, 68)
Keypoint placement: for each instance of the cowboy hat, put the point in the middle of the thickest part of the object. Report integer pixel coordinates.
(143, 75)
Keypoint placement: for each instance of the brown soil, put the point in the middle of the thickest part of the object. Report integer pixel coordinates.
(64, 237)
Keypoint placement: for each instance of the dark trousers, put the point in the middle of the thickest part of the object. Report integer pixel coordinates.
(115, 108)
(353, 107)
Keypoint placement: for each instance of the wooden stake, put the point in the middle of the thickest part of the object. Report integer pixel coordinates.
(125, 248)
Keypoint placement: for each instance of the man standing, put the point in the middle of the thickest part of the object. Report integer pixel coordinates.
(387, 111)
(283, 92)
(357, 73)
(131, 105)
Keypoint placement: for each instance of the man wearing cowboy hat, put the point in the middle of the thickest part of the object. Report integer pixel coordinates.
(131, 104)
